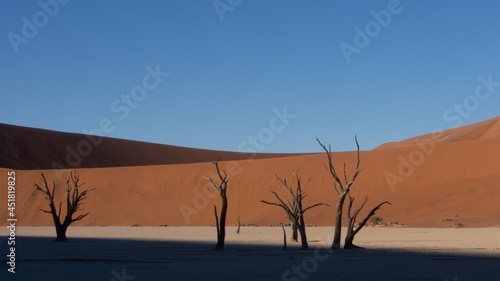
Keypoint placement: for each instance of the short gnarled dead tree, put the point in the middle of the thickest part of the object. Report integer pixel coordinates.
(221, 188)
(293, 208)
(351, 221)
(74, 199)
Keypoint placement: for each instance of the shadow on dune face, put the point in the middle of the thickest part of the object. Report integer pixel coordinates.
(33, 149)
(119, 260)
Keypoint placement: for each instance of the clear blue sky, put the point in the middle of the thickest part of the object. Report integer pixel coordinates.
(62, 68)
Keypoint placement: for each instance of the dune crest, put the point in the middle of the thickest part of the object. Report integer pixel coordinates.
(482, 130)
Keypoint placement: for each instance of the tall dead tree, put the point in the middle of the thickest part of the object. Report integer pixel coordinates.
(221, 188)
(351, 221)
(291, 206)
(74, 200)
(342, 190)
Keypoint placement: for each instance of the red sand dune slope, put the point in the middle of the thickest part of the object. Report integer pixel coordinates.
(27, 149)
(482, 130)
(425, 182)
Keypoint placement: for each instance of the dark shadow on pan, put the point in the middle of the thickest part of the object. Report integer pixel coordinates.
(38, 258)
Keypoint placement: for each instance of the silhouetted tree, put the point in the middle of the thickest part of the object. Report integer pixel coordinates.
(74, 199)
(295, 204)
(221, 188)
(342, 190)
(351, 221)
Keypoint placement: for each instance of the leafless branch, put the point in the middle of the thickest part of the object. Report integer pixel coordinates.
(315, 205)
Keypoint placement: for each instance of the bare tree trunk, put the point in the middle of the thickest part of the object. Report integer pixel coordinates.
(348, 242)
(303, 237)
(302, 231)
(295, 234)
(222, 188)
(284, 238)
(349, 238)
(239, 225)
(338, 222)
(221, 235)
(61, 233)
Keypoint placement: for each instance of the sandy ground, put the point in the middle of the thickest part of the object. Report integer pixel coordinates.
(186, 253)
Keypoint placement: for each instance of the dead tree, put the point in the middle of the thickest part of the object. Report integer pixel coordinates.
(290, 206)
(295, 234)
(342, 190)
(284, 238)
(221, 188)
(351, 221)
(239, 225)
(74, 200)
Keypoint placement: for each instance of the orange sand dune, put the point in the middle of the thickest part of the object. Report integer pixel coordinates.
(482, 130)
(425, 182)
(28, 148)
